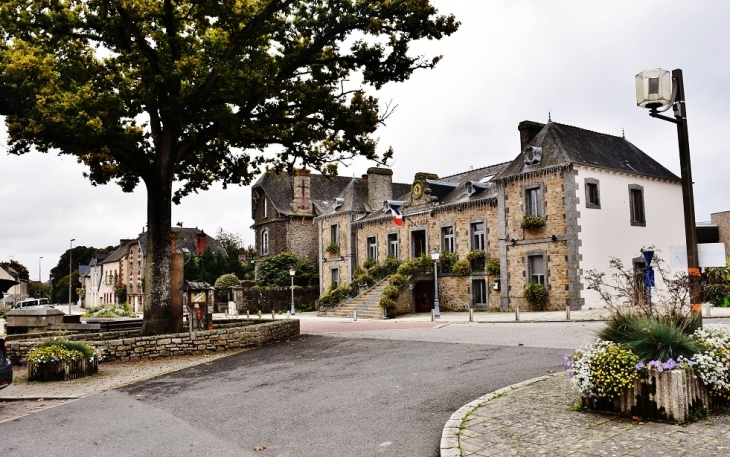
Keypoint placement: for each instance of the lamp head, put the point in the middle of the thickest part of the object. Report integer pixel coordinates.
(292, 272)
(435, 254)
(654, 89)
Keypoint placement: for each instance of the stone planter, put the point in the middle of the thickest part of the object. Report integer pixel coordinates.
(672, 395)
(62, 371)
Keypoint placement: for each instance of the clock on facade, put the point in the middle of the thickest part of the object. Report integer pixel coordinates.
(417, 189)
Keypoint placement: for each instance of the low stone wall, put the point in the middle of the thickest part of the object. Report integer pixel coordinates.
(129, 345)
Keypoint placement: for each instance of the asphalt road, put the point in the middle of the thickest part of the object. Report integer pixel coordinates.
(359, 394)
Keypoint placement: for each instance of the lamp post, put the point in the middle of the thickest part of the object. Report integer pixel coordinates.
(292, 272)
(70, 271)
(39, 275)
(435, 256)
(657, 91)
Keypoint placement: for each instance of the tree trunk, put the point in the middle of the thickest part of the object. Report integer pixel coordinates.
(158, 317)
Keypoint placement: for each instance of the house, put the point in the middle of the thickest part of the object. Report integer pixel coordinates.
(570, 200)
(108, 279)
(284, 208)
(722, 221)
(12, 286)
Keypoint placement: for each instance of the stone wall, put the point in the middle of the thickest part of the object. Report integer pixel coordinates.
(125, 346)
(266, 299)
(340, 260)
(302, 240)
(550, 241)
(723, 224)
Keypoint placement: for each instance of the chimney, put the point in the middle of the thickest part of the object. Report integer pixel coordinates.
(200, 240)
(380, 186)
(302, 202)
(173, 242)
(528, 131)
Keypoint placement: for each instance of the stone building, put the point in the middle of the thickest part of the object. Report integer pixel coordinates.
(594, 196)
(722, 221)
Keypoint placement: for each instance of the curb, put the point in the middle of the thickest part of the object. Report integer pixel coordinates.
(450, 435)
(36, 398)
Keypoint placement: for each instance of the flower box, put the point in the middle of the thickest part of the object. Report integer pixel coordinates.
(62, 370)
(671, 395)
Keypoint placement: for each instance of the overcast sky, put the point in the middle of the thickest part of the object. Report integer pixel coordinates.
(510, 61)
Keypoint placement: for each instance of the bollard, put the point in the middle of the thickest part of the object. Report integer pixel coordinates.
(567, 312)
(354, 315)
(248, 316)
(709, 306)
(432, 316)
(517, 313)
(288, 314)
(471, 315)
(273, 315)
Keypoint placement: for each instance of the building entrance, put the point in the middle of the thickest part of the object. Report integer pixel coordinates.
(423, 296)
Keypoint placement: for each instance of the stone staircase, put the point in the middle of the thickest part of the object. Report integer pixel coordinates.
(367, 304)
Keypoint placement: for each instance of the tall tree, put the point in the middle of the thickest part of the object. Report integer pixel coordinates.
(196, 92)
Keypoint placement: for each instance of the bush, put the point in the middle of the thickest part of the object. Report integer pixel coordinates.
(377, 272)
(713, 359)
(536, 295)
(61, 349)
(405, 269)
(422, 265)
(447, 261)
(274, 271)
(388, 304)
(366, 280)
(390, 292)
(602, 369)
(110, 310)
(223, 283)
(391, 265)
(476, 259)
(369, 263)
(462, 268)
(397, 280)
(493, 267)
(651, 338)
(334, 297)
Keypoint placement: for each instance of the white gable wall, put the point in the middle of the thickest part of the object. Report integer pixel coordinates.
(607, 232)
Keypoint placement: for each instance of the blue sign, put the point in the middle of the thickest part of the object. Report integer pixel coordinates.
(649, 277)
(648, 255)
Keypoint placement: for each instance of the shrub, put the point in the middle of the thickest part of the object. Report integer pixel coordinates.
(366, 280)
(397, 280)
(390, 292)
(358, 272)
(333, 248)
(536, 295)
(334, 297)
(369, 263)
(110, 310)
(274, 271)
(461, 268)
(476, 259)
(447, 261)
(422, 265)
(405, 269)
(493, 267)
(377, 272)
(223, 283)
(388, 304)
(713, 358)
(651, 338)
(532, 222)
(57, 349)
(391, 265)
(602, 369)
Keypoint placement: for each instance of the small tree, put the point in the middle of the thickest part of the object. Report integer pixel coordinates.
(222, 285)
(274, 271)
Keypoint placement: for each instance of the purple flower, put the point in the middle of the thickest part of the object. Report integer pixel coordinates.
(669, 364)
(570, 375)
(639, 366)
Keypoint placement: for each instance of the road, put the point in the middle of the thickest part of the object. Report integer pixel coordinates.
(358, 393)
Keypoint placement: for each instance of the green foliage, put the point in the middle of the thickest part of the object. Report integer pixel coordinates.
(391, 265)
(447, 261)
(422, 265)
(82, 255)
(110, 310)
(333, 248)
(121, 291)
(223, 283)
(334, 297)
(390, 292)
(366, 280)
(388, 304)
(377, 272)
(209, 267)
(476, 259)
(198, 92)
(718, 294)
(615, 371)
(461, 268)
(358, 272)
(397, 280)
(239, 257)
(493, 267)
(78, 346)
(20, 268)
(274, 271)
(369, 263)
(532, 222)
(405, 269)
(652, 337)
(536, 295)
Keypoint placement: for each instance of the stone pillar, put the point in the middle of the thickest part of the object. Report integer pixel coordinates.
(176, 295)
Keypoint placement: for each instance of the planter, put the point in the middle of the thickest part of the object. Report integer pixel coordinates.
(672, 395)
(62, 371)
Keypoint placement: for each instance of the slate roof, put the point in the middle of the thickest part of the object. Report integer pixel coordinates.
(322, 189)
(563, 145)
(355, 198)
(119, 252)
(186, 238)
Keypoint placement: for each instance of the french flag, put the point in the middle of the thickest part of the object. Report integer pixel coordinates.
(397, 216)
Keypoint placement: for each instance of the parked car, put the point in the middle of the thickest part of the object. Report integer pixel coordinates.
(6, 370)
(28, 302)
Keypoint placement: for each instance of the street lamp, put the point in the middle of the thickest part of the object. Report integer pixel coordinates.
(40, 289)
(435, 256)
(657, 91)
(292, 272)
(70, 271)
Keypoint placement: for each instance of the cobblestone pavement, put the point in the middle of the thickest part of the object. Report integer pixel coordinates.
(23, 397)
(536, 418)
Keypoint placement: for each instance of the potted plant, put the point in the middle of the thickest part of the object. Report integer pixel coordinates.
(476, 258)
(59, 359)
(333, 248)
(530, 222)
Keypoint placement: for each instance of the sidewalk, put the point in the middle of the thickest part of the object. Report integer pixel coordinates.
(536, 418)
